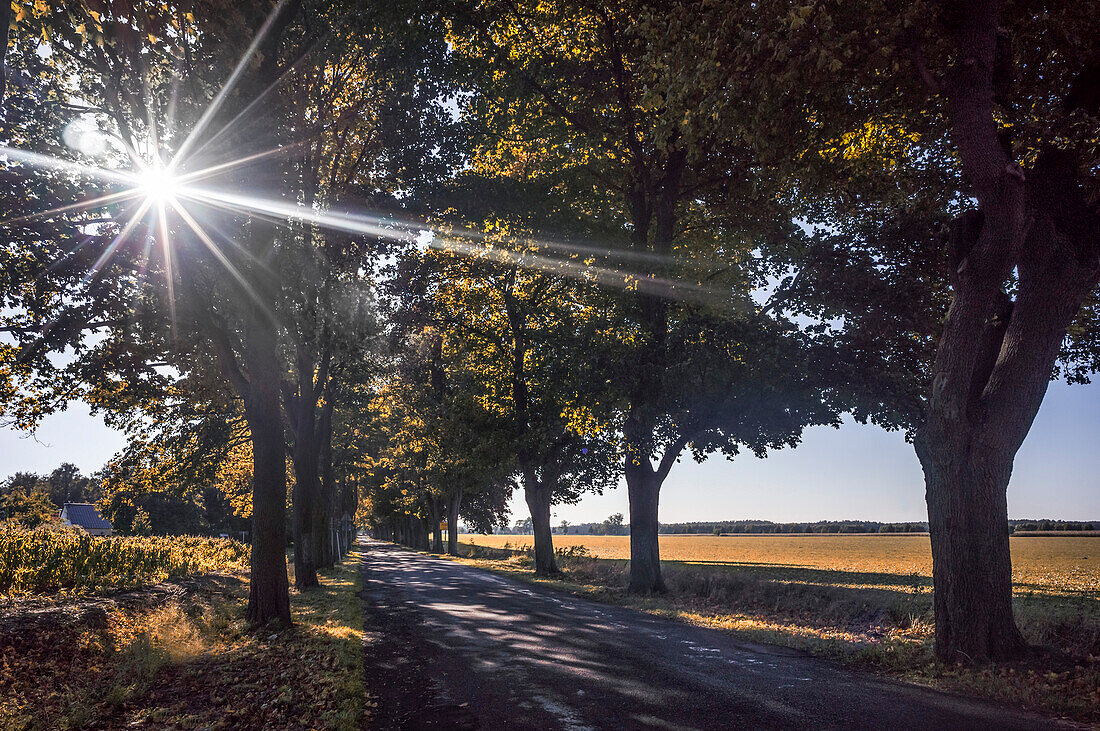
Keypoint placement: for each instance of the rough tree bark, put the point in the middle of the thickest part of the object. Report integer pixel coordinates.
(538, 493)
(643, 491)
(453, 507)
(268, 596)
(647, 399)
(995, 356)
(306, 482)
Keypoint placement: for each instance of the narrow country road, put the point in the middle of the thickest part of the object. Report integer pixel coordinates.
(450, 646)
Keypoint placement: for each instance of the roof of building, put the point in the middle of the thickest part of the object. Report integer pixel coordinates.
(85, 515)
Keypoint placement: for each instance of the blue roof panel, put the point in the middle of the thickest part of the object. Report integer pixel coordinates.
(85, 515)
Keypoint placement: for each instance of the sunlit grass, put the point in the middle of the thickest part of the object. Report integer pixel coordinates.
(188, 659)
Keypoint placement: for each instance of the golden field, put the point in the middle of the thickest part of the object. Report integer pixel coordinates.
(1041, 564)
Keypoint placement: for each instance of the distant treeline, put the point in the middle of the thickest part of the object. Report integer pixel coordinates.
(614, 526)
(1019, 526)
(821, 526)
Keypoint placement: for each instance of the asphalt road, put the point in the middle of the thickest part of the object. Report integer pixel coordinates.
(450, 646)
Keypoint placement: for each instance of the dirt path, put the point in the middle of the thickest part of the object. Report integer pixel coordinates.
(450, 646)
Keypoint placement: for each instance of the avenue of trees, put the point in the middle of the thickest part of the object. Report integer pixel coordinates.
(425, 254)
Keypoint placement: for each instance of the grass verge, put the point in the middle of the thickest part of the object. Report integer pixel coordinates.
(182, 656)
(850, 620)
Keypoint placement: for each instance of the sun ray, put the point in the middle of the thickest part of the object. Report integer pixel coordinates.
(35, 159)
(220, 255)
(113, 246)
(214, 170)
(248, 108)
(168, 253)
(476, 245)
(607, 276)
(90, 204)
(219, 98)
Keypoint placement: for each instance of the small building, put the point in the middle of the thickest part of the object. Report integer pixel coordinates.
(87, 517)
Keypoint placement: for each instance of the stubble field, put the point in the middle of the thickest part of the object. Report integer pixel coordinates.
(1052, 565)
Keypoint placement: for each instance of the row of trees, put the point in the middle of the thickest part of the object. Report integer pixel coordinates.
(795, 212)
(218, 329)
(442, 249)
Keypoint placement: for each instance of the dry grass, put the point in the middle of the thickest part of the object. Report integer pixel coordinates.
(862, 600)
(187, 659)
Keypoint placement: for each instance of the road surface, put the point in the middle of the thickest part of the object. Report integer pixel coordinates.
(451, 646)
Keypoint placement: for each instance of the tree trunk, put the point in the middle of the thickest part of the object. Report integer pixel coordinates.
(971, 566)
(305, 501)
(995, 356)
(424, 535)
(538, 495)
(329, 499)
(436, 520)
(644, 489)
(453, 506)
(268, 594)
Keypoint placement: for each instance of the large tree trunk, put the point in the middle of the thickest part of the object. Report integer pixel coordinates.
(538, 495)
(453, 507)
(972, 569)
(305, 495)
(435, 518)
(647, 397)
(268, 597)
(995, 356)
(330, 553)
(644, 490)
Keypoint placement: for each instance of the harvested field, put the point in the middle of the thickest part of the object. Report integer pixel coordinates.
(1054, 565)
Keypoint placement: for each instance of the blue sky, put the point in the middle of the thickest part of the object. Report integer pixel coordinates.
(857, 472)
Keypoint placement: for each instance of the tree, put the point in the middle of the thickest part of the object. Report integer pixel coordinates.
(979, 119)
(613, 526)
(570, 86)
(522, 338)
(28, 508)
(123, 61)
(67, 485)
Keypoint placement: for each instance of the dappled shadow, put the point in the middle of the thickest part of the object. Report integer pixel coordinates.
(524, 655)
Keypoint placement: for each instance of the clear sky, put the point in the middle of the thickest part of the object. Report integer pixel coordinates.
(855, 472)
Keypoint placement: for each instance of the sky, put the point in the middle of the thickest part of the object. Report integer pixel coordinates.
(856, 472)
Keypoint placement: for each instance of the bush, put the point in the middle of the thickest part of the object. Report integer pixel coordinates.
(44, 560)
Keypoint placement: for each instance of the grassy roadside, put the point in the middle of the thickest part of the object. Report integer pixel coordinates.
(860, 624)
(182, 656)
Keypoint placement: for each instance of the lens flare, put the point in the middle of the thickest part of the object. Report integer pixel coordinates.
(159, 185)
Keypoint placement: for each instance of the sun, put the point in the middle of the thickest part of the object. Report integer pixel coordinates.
(158, 184)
